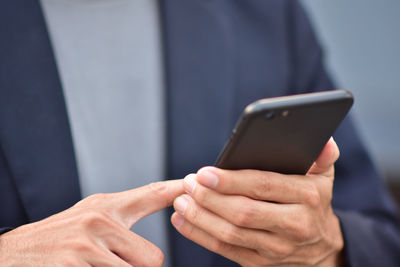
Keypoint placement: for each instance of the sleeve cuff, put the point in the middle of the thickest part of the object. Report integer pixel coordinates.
(5, 230)
(369, 242)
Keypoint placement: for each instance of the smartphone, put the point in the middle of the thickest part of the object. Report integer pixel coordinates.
(285, 134)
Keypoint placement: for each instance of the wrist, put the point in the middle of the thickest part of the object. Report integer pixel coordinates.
(335, 260)
(337, 257)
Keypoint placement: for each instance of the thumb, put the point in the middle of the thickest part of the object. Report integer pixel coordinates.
(133, 205)
(324, 164)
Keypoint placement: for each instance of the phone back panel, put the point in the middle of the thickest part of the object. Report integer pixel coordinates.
(285, 134)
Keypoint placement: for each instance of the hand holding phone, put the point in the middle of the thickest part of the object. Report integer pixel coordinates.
(256, 217)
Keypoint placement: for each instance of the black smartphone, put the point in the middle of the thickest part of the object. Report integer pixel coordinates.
(285, 134)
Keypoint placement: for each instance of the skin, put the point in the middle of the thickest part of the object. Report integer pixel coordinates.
(94, 232)
(258, 218)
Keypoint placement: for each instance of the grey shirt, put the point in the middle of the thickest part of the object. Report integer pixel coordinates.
(108, 54)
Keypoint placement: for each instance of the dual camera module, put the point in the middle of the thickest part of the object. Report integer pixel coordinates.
(271, 114)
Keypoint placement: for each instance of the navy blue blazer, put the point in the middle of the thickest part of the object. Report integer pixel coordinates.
(219, 56)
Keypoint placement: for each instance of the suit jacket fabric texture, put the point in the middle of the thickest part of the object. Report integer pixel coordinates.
(220, 55)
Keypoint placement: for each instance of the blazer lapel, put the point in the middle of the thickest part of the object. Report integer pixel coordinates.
(198, 43)
(34, 130)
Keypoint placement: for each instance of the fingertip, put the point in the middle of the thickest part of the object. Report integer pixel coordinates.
(207, 177)
(333, 143)
(334, 149)
(331, 139)
(177, 220)
(180, 204)
(329, 155)
(189, 183)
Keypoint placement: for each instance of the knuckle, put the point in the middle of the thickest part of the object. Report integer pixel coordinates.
(246, 215)
(83, 246)
(299, 227)
(242, 219)
(281, 251)
(158, 188)
(157, 258)
(93, 219)
(97, 198)
(302, 232)
(93, 200)
(264, 185)
(202, 196)
(218, 246)
(194, 214)
(231, 235)
(189, 231)
(311, 196)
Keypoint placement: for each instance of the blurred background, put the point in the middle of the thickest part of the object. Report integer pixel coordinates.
(362, 42)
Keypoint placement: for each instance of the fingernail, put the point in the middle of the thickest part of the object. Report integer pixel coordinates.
(178, 220)
(333, 139)
(180, 205)
(207, 178)
(189, 183)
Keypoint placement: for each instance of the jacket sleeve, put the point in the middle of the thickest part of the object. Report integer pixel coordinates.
(5, 230)
(368, 215)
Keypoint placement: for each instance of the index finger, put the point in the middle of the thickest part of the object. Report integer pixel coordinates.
(132, 205)
(259, 185)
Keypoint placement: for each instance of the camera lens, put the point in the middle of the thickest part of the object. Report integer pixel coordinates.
(285, 113)
(269, 115)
